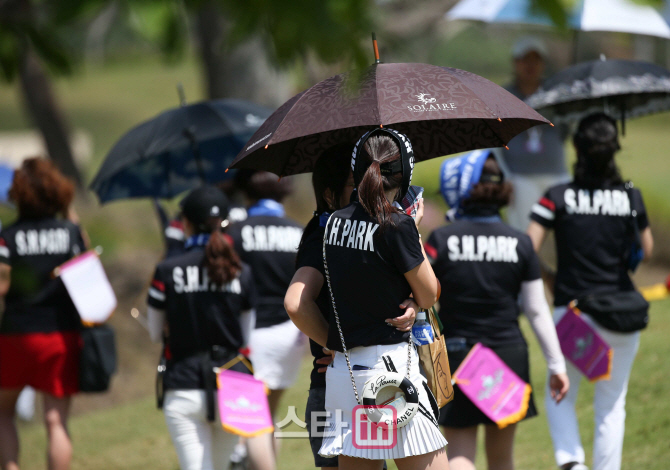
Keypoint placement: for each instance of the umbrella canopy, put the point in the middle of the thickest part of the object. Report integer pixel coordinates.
(620, 88)
(621, 16)
(178, 150)
(442, 110)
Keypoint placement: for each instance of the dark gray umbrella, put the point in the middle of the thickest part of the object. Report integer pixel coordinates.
(178, 150)
(442, 110)
(621, 88)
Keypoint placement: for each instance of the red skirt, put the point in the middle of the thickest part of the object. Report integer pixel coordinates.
(48, 362)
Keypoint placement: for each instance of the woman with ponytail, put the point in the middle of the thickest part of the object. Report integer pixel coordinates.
(373, 262)
(602, 232)
(333, 184)
(201, 304)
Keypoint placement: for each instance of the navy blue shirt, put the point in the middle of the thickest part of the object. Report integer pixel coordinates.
(592, 230)
(37, 301)
(268, 244)
(481, 266)
(199, 314)
(367, 269)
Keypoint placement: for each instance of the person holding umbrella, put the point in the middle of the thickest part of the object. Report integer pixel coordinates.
(201, 304)
(536, 158)
(593, 218)
(333, 184)
(384, 247)
(484, 267)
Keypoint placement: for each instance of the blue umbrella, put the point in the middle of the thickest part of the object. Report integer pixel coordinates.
(623, 16)
(6, 179)
(499, 11)
(178, 150)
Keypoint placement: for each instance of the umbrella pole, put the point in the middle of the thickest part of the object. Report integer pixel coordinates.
(198, 162)
(196, 154)
(182, 95)
(375, 48)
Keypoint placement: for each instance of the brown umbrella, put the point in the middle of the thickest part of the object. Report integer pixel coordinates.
(442, 110)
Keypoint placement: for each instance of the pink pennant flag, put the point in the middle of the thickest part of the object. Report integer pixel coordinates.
(583, 346)
(492, 386)
(243, 404)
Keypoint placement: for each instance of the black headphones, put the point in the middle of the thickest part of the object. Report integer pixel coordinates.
(405, 164)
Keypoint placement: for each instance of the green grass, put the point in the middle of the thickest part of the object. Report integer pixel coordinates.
(134, 436)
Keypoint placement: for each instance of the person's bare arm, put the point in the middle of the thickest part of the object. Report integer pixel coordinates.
(5, 278)
(647, 241)
(156, 324)
(300, 304)
(423, 282)
(405, 321)
(422, 279)
(73, 217)
(537, 234)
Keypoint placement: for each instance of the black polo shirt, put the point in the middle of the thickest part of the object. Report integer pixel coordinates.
(268, 245)
(593, 232)
(199, 314)
(310, 255)
(481, 264)
(36, 301)
(367, 269)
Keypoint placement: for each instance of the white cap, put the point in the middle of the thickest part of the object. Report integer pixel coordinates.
(421, 315)
(529, 44)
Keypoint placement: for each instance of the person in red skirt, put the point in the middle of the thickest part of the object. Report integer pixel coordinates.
(40, 341)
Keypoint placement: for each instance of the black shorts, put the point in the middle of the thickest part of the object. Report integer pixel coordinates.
(461, 412)
(317, 402)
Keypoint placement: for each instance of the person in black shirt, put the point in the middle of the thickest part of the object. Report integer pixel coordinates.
(40, 327)
(201, 304)
(592, 219)
(268, 241)
(484, 266)
(333, 184)
(374, 261)
(173, 230)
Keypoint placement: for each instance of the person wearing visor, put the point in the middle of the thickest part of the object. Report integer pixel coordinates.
(201, 304)
(535, 160)
(595, 218)
(374, 261)
(333, 184)
(485, 267)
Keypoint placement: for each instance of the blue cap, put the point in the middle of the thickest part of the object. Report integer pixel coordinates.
(458, 176)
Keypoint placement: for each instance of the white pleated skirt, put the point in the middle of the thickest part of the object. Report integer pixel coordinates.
(420, 436)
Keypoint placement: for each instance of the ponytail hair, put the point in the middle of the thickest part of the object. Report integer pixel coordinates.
(373, 186)
(222, 263)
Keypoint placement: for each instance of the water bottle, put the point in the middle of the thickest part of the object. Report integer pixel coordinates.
(422, 332)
